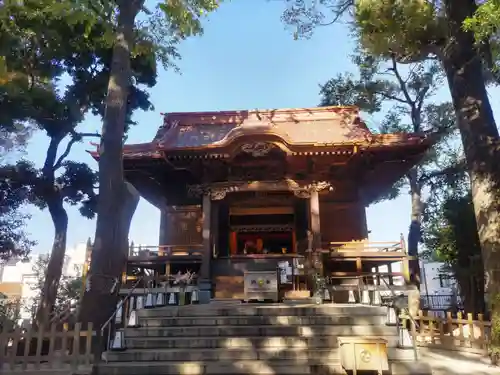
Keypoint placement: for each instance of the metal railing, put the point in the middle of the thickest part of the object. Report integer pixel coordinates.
(108, 324)
(399, 303)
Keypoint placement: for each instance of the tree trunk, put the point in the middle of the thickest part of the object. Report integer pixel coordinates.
(480, 140)
(109, 254)
(415, 230)
(54, 268)
(54, 200)
(471, 289)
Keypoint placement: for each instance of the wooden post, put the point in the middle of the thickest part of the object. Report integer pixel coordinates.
(233, 243)
(162, 240)
(389, 271)
(215, 228)
(206, 238)
(314, 219)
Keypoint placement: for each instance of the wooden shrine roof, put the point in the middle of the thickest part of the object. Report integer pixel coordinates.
(295, 131)
(334, 141)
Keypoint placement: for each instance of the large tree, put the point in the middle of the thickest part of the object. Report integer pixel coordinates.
(43, 43)
(421, 30)
(118, 200)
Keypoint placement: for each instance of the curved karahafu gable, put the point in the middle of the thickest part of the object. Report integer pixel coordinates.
(321, 126)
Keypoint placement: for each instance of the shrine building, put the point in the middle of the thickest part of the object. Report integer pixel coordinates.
(245, 190)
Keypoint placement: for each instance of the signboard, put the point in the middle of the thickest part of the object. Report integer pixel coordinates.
(261, 285)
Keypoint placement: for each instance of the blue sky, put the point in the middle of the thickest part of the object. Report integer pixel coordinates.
(245, 60)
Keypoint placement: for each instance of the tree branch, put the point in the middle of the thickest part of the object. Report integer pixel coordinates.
(401, 81)
(75, 137)
(50, 156)
(339, 10)
(83, 135)
(421, 98)
(455, 168)
(391, 97)
(416, 110)
(66, 152)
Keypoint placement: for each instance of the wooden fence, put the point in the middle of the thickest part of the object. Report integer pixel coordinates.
(460, 333)
(57, 348)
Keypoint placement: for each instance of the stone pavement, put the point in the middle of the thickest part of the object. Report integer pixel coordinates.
(444, 362)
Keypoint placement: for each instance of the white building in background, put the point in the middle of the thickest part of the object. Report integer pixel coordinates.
(18, 279)
(75, 259)
(435, 280)
(438, 291)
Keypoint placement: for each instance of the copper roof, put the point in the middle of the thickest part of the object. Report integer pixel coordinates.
(213, 131)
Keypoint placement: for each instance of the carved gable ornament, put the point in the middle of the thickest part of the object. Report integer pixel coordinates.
(257, 149)
(163, 133)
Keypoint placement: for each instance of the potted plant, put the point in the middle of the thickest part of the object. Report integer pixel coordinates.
(182, 280)
(319, 288)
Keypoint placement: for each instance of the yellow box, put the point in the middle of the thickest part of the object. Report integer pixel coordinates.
(363, 354)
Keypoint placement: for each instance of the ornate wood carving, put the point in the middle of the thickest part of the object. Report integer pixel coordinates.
(218, 194)
(257, 149)
(218, 191)
(304, 194)
(305, 191)
(215, 193)
(261, 228)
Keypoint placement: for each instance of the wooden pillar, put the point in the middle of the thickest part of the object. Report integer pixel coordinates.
(206, 238)
(162, 240)
(163, 235)
(314, 219)
(389, 271)
(215, 228)
(233, 243)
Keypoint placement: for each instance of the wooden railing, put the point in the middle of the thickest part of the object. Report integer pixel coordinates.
(365, 281)
(381, 247)
(57, 348)
(467, 332)
(369, 246)
(165, 250)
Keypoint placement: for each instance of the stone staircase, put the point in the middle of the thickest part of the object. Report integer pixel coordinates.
(230, 338)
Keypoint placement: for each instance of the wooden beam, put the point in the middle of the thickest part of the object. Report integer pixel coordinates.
(243, 211)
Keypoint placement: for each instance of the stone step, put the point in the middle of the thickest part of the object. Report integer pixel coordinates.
(278, 342)
(249, 367)
(210, 368)
(289, 320)
(263, 310)
(297, 354)
(263, 331)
